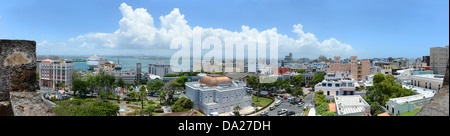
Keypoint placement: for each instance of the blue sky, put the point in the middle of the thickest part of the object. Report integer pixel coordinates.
(376, 28)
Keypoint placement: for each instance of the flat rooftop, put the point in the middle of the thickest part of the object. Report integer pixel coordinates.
(431, 76)
(350, 104)
(405, 99)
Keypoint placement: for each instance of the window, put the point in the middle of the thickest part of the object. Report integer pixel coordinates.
(328, 92)
(337, 92)
(329, 85)
(324, 84)
(343, 84)
(337, 85)
(350, 84)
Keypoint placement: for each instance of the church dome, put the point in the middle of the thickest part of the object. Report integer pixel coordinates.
(214, 80)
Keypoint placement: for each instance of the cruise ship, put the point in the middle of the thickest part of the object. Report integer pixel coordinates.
(94, 61)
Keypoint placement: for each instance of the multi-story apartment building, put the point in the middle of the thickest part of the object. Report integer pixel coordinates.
(438, 59)
(359, 69)
(159, 69)
(52, 72)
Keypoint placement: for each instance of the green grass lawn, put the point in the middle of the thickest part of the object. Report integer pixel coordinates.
(306, 112)
(412, 113)
(261, 101)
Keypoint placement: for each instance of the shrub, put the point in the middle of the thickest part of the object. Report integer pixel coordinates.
(85, 107)
(159, 110)
(182, 104)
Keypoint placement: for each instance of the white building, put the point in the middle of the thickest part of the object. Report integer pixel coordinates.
(159, 69)
(217, 93)
(52, 72)
(352, 105)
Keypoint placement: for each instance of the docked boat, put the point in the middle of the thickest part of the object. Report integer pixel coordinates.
(118, 65)
(95, 61)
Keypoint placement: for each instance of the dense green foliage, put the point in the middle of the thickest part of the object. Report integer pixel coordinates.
(85, 107)
(329, 114)
(300, 70)
(383, 89)
(182, 104)
(297, 91)
(155, 86)
(171, 75)
(108, 95)
(322, 108)
(298, 80)
(318, 77)
(319, 98)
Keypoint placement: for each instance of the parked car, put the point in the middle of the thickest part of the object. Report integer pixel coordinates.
(214, 114)
(155, 95)
(264, 113)
(290, 113)
(300, 104)
(272, 108)
(278, 103)
(282, 111)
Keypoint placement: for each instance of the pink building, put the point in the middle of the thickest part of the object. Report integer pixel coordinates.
(333, 88)
(52, 72)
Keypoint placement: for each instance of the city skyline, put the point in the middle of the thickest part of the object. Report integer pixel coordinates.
(345, 28)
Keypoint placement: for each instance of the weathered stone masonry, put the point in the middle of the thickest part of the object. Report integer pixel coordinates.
(17, 71)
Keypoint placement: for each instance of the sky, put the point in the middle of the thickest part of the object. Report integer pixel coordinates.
(367, 29)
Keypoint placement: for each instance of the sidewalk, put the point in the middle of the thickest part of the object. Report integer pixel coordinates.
(312, 112)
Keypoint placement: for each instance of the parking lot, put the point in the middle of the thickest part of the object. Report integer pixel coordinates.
(286, 105)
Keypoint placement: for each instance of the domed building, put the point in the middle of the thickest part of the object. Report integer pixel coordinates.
(217, 93)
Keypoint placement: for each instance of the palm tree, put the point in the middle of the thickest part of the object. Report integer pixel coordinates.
(236, 110)
(142, 95)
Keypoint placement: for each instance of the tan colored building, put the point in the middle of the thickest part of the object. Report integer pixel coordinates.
(337, 66)
(359, 69)
(439, 59)
(429, 81)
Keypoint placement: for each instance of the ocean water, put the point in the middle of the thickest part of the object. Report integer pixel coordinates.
(127, 63)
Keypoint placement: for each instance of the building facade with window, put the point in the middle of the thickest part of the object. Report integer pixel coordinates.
(428, 81)
(217, 93)
(439, 59)
(332, 88)
(52, 72)
(159, 69)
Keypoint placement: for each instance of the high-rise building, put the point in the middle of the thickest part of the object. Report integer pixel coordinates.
(438, 59)
(52, 72)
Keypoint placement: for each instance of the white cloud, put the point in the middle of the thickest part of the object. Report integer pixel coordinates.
(137, 32)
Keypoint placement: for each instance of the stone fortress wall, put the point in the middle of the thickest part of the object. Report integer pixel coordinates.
(18, 94)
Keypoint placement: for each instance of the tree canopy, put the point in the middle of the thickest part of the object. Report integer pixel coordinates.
(383, 89)
(298, 80)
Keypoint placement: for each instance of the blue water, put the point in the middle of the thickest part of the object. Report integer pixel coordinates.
(127, 63)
